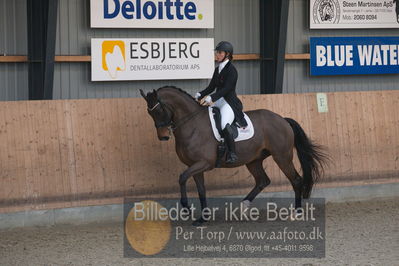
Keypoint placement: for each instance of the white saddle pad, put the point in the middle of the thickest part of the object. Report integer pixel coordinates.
(243, 134)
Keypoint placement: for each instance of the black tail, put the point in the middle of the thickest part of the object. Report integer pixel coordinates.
(311, 156)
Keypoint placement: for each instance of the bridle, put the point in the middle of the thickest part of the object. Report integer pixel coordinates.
(153, 108)
(169, 123)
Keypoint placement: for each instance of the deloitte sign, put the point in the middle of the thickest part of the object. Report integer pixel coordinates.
(152, 13)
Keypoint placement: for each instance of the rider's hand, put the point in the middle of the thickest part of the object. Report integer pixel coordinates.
(197, 96)
(207, 101)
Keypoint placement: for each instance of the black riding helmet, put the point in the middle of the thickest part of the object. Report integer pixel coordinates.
(225, 47)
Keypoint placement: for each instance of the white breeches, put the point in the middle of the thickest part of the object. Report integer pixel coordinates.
(225, 111)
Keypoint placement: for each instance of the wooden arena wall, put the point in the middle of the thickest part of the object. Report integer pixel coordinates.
(56, 154)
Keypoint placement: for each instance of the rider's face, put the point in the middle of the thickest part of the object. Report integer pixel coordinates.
(219, 56)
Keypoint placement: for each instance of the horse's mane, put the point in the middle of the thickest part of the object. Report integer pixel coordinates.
(180, 90)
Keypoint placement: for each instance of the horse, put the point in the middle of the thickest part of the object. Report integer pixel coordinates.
(326, 11)
(174, 110)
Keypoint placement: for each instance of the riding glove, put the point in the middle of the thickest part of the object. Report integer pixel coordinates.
(208, 99)
(197, 96)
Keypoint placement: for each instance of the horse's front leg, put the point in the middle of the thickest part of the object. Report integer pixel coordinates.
(200, 182)
(196, 168)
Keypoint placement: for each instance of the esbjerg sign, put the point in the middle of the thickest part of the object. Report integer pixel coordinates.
(152, 59)
(152, 13)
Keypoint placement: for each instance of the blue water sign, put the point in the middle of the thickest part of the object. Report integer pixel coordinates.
(354, 55)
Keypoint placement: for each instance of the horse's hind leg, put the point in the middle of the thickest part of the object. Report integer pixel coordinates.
(286, 165)
(261, 179)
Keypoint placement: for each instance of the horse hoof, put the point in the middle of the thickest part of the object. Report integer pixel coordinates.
(296, 215)
(199, 222)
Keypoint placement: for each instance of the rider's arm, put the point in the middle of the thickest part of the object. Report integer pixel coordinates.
(229, 85)
(211, 87)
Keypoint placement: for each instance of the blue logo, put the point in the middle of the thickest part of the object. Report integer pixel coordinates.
(354, 55)
(138, 9)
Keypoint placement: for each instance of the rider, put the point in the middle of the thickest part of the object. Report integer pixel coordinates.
(224, 80)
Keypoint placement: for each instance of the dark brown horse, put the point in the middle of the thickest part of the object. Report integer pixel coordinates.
(172, 108)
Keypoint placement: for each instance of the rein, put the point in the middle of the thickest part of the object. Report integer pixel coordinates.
(186, 119)
(173, 126)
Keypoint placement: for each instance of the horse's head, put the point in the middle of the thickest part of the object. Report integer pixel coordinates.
(160, 113)
(326, 11)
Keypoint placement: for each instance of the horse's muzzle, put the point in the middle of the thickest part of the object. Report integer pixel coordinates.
(163, 133)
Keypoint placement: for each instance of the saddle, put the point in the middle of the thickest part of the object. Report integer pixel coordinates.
(239, 134)
(217, 116)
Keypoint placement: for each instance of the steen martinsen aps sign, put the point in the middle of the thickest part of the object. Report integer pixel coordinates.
(353, 14)
(152, 13)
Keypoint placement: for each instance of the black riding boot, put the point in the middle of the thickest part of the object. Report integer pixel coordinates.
(221, 150)
(231, 148)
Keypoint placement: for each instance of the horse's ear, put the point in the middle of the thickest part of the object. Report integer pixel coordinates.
(143, 94)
